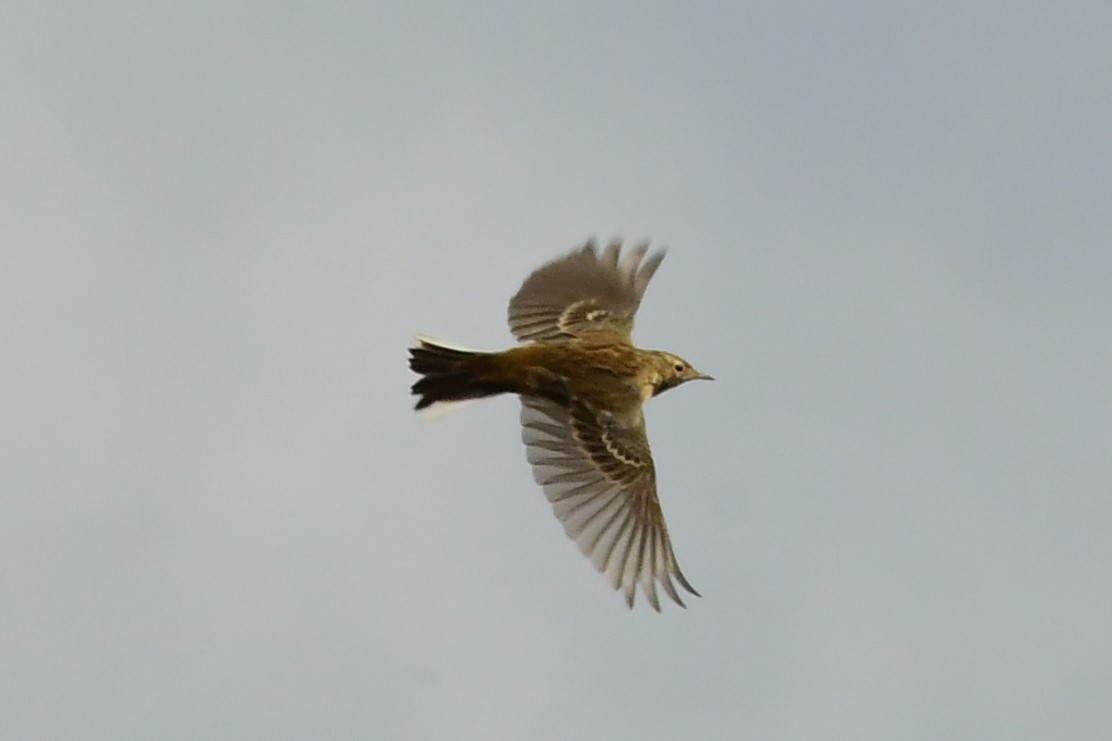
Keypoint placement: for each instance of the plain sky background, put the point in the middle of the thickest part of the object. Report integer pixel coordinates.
(890, 239)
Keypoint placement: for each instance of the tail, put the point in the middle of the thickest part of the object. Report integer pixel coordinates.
(449, 374)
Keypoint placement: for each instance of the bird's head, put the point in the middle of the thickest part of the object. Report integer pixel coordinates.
(671, 370)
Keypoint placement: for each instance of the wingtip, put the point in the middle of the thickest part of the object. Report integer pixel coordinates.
(685, 583)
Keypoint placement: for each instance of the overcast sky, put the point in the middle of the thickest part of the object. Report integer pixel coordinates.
(890, 238)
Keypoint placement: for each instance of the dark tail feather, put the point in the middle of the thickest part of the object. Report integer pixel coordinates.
(448, 374)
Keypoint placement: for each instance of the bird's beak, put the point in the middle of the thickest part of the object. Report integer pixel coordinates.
(704, 377)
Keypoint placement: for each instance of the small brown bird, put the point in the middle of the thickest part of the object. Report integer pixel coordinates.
(582, 384)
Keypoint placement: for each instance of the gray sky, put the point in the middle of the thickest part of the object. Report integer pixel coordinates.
(890, 233)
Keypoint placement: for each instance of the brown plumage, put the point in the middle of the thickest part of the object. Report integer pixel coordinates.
(582, 384)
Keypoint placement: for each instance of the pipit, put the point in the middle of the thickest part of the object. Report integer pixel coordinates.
(582, 384)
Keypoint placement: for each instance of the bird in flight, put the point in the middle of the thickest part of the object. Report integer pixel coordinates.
(582, 384)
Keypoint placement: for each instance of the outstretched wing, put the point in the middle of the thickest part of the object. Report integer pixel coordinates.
(583, 292)
(599, 477)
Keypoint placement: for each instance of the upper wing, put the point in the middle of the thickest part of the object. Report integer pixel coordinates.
(600, 479)
(583, 292)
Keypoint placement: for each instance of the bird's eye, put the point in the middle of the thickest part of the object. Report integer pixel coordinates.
(679, 367)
